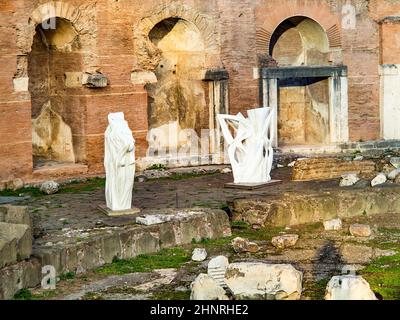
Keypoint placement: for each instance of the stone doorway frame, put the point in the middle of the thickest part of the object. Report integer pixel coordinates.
(218, 104)
(338, 96)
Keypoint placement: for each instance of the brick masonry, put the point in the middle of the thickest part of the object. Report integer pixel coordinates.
(112, 36)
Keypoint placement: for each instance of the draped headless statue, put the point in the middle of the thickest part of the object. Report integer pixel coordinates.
(119, 162)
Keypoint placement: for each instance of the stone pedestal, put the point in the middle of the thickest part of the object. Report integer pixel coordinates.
(252, 186)
(111, 213)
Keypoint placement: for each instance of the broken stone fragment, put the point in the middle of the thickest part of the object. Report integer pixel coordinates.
(395, 162)
(256, 226)
(156, 174)
(241, 245)
(349, 287)
(393, 174)
(199, 254)
(387, 168)
(349, 180)
(15, 243)
(285, 241)
(96, 80)
(50, 187)
(152, 219)
(149, 220)
(292, 164)
(217, 268)
(335, 224)
(205, 288)
(260, 281)
(141, 178)
(226, 170)
(379, 180)
(360, 230)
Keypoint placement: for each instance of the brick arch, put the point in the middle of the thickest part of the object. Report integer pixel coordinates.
(55, 9)
(83, 18)
(318, 12)
(146, 51)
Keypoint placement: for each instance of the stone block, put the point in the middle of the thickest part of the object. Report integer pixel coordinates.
(259, 281)
(294, 209)
(205, 288)
(21, 84)
(15, 243)
(15, 215)
(329, 168)
(143, 77)
(349, 288)
(25, 274)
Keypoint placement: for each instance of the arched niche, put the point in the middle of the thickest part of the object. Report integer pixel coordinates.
(55, 53)
(300, 41)
(303, 114)
(177, 100)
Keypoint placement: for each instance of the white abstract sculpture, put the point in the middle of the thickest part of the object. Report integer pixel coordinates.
(250, 148)
(119, 162)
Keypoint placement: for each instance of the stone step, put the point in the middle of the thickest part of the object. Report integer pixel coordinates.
(15, 243)
(101, 246)
(295, 209)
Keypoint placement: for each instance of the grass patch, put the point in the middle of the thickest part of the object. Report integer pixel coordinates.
(75, 187)
(165, 259)
(28, 191)
(88, 185)
(208, 243)
(243, 230)
(264, 234)
(184, 176)
(316, 290)
(92, 296)
(383, 275)
(26, 294)
(67, 276)
(170, 294)
(23, 294)
(157, 166)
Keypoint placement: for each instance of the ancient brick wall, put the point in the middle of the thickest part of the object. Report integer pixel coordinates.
(113, 38)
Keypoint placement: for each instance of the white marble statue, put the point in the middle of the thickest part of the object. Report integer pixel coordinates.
(119, 162)
(249, 145)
